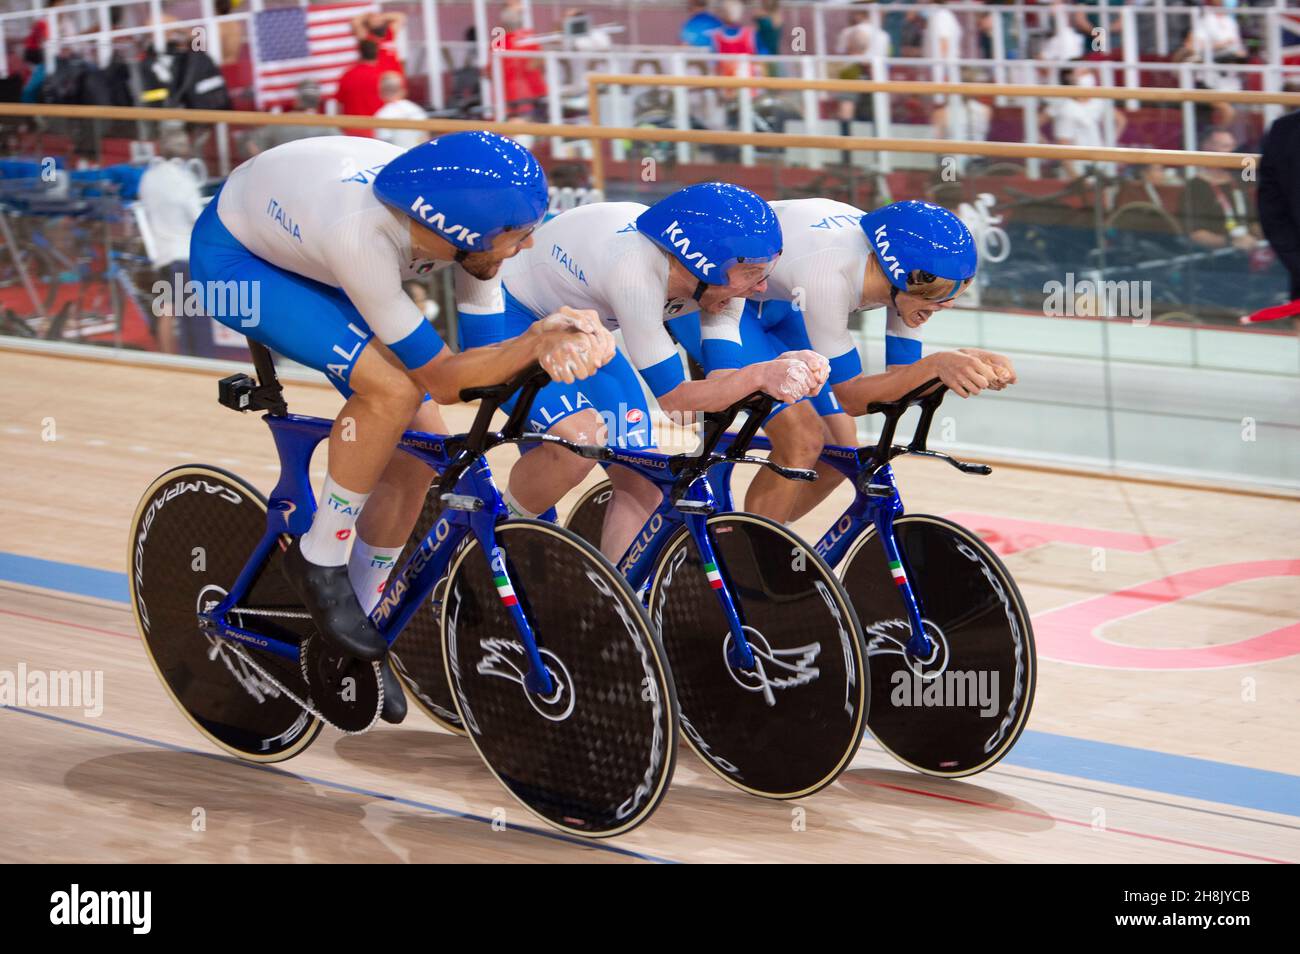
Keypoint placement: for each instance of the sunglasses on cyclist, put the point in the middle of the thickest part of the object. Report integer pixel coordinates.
(933, 288)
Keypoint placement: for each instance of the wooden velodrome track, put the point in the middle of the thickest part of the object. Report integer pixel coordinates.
(1164, 729)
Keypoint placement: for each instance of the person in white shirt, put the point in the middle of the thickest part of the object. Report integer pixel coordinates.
(171, 200)
(943, 35)
(1215, 37)
(392, 90)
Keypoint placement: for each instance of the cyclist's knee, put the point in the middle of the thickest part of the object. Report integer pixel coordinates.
(798, 436)
(382, 384)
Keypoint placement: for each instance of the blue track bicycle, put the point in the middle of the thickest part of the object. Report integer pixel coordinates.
(766, 652)
(556, 670)
(949, 638)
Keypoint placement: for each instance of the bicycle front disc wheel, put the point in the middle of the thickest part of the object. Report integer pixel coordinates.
(962, 709)
(595, 755)
(790, 724)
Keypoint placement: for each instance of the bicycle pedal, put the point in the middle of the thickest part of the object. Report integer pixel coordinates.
(693, 506)
(462, 502)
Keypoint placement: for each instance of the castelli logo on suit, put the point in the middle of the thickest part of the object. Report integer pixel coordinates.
(436, 220)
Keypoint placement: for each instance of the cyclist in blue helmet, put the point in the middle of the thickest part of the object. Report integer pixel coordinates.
(701, 250)
(912, 258)
(322, 233)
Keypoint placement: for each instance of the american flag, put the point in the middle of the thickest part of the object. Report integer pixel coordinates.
(297, 43)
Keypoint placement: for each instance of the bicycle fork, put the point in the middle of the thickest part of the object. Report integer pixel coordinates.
(883, 505)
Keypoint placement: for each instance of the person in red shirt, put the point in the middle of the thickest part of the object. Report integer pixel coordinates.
(358, 93)
(524, 80)
(383, 29)
(734, 36)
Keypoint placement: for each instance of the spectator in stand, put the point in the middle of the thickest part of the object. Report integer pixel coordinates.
(698, 28)
(171, 200)
(1081, 122)
(382, 28)
(943, 36)
(232, 32)
(863, 41)
(734, 37)
(358, 92)
(1215, 37)
(392, 90)
(1065, 42)
(1279, 194)
(524, 79)
(1144, 183)
(767, 24)
(1216, 206)
(307, 99)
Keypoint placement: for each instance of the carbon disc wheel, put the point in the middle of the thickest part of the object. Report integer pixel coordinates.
(588, 515)
(961, 710)
(787, 727)
(193, 532)
(593, 757)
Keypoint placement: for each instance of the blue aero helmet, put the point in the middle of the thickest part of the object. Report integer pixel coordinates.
(467, 187)
(924, 249)
(711, 227)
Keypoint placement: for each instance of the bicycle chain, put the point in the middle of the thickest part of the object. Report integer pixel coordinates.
(240, 652)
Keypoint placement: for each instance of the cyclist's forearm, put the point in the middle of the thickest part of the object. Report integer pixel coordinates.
(856, 393)
(448, 374)
(717, 392)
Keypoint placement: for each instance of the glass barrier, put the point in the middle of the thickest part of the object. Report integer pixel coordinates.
(1117, 290)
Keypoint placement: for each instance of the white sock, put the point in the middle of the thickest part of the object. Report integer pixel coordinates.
(514, 507)
(368, 569)
(327, 542)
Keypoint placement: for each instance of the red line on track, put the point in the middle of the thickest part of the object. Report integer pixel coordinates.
(1066, 821)
(64, 622)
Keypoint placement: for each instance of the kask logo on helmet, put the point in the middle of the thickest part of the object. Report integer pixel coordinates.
(881, 236)
(679, 240)
(437, 220)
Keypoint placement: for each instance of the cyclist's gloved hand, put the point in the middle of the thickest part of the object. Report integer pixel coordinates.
(786, 379)
(818, 366)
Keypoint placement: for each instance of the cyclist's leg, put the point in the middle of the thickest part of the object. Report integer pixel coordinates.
(794, 429)
(617, 393)
(317, 326)
(786, 325)
(391, 513)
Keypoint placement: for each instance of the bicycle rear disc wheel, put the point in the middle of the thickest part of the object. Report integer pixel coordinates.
(587, 517)
(416, 655)
(595, 757)
(963, 710)
(192, 534)
(788, 727)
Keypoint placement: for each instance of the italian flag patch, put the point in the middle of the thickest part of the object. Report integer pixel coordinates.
(896, 568)
(715, 578)
(505, 591)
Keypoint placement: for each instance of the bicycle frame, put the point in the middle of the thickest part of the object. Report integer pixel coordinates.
(876, 502)
(691, 506)
(475, 508)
